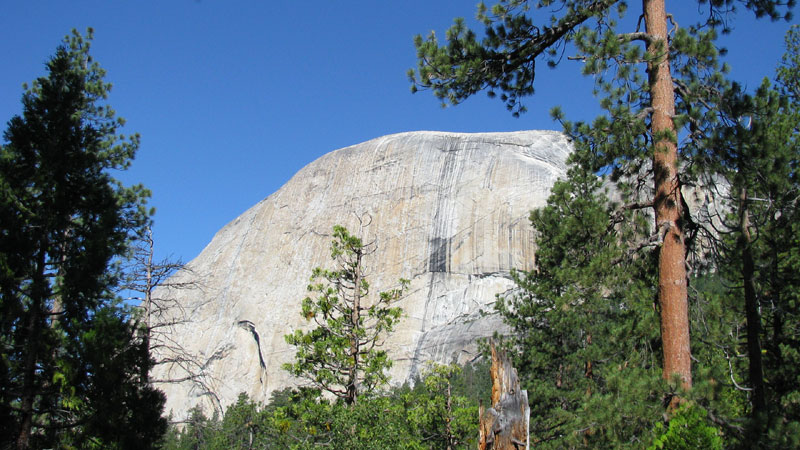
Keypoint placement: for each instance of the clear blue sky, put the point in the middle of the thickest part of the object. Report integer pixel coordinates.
(233, 97)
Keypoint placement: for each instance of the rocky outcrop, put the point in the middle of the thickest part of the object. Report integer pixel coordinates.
(447, 211)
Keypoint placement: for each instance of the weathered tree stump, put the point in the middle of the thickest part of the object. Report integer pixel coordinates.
(504, 426)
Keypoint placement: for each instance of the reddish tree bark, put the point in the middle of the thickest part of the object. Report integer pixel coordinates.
(672, 284)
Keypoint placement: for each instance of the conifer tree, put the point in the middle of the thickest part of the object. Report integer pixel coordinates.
(752, 235)
(73, 371)
(782, 286)
(652, 88)
(342, 355)
(583, 323)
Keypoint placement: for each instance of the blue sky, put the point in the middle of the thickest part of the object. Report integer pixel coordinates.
(233, 97)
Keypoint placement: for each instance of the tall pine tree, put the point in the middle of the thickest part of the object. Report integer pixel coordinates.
(651, 88)
(583, 322)
(342, 355)
(73, 370)
(752, 234)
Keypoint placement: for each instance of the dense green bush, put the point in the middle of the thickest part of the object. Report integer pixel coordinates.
(688, 429)
(407, 417)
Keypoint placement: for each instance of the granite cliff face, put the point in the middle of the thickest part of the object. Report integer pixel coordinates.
(448, 212)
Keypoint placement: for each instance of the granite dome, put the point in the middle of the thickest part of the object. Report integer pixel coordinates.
(449, 212)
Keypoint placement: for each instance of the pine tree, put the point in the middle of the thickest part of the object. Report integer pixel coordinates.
(342, 354)
(437, 413)
(782, 285)
(73, 369)
(584, 329)
(651, 85)
(752, 233)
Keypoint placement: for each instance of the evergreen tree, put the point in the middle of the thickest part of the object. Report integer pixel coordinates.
(584, 325)
(687, 430)
(438, 414)
(652, 85)
(342, 354)
(780, 281)
(73, 370)
(753, 236)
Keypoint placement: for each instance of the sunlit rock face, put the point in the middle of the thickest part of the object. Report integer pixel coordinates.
(447, 211)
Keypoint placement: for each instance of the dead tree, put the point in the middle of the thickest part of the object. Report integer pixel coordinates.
(504, 426)
(150, 283)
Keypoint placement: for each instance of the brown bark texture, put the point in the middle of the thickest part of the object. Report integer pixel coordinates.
(672, 281)
(504, 426)
(756, 370)
(352, 381)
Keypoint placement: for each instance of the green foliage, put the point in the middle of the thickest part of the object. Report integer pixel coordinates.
(126, 409)
(240, 427)
(342, 355)
(781, 287)
(197, 432)
(585, 321)
(471, 381)
(437, 414)
(371, 424)
(584, 331)
(757, 152)
(787, 70)
(404, 418)
(73, 371)
(503, 61)
(688, 429)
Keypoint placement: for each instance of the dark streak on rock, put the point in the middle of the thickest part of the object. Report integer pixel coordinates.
(439, 255)
(250, 326)
(439, 259)
(440, 242)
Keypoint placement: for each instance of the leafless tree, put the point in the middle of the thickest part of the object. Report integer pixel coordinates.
(152, 284)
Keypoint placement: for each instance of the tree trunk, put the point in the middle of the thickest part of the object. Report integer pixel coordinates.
(28, 385)
(31, 355)
(756, 372)
(148, 301)
(355, 316)
(672, 282)
(504, 426)
(57, 308)
(448, 428)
